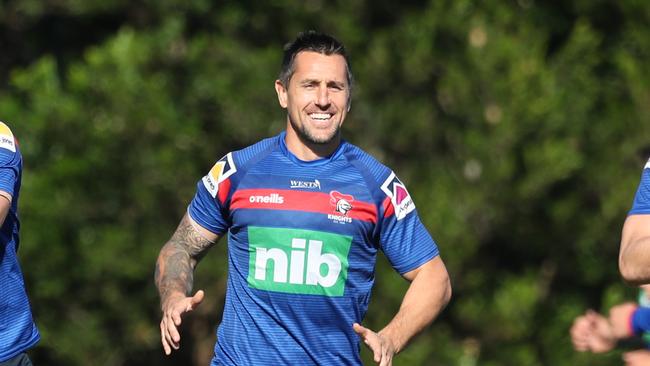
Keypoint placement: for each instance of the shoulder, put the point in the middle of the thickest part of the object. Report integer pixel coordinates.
(235, 164)
(372, 169)
(390, 190)
(7, 139)
(251, 154)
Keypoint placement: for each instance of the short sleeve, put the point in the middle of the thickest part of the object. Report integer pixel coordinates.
(208, 207)
(403, 238)
(641, 204)
(10, 160)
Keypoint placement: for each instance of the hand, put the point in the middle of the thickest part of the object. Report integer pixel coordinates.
(619, 317)
(592, 332)
(381, 347)
(173, 308)
(637, 358)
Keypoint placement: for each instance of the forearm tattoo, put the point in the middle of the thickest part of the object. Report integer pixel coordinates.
(177, 259)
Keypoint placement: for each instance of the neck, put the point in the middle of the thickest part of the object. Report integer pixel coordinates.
(307, 150)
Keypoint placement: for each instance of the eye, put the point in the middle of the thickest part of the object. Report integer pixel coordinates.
(309, 85)
(336, 87)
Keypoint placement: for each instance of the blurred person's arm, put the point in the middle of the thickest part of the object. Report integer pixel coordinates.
(592, 332)
(639, 357)
(629, 320)
(174, 277)
(634, 256)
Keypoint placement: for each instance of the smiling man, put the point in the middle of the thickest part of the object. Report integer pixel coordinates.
(305, 213)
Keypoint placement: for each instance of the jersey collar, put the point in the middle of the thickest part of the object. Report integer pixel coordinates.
(283, 147)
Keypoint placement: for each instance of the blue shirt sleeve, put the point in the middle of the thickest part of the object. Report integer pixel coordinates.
(641, 320)
(641, 204)
(207, 211)
(403, 238)
(208, 206)
(10, 160)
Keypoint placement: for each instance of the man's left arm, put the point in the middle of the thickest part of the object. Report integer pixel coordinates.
(428, 293)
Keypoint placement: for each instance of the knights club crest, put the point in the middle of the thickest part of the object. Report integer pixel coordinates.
(342, 202)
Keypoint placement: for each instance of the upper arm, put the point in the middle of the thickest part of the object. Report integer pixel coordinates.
(635, 242)
(636, 227)
(433, 269)
(201, 231)
(192, 238)
(432, 280)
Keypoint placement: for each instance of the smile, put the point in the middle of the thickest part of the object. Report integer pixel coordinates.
(320, 116)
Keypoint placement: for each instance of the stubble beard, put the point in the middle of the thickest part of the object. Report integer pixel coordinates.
(307, 136)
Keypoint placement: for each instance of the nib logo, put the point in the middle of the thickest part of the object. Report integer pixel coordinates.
(298, 261)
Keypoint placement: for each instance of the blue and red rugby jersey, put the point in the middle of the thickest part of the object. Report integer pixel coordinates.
(302, 244)
(17, 329)
(641, 204)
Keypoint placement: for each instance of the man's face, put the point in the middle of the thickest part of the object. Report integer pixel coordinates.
(317, 96)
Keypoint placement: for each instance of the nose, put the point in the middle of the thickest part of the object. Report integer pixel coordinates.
(323, 98)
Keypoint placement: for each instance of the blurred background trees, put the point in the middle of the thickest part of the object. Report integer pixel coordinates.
(520, 127)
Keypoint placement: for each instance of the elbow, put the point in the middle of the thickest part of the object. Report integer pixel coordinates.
(630, 273)
(446, 297)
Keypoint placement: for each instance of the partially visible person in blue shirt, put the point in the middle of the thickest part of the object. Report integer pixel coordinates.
(596, 333)
(634, 255)
(18, 332)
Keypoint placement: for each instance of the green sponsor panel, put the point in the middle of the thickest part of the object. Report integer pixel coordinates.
(298, 261)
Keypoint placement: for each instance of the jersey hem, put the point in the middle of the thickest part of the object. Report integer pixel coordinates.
(36, 338)
(417, 264)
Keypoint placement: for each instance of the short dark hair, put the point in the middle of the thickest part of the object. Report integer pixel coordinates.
(314, 42)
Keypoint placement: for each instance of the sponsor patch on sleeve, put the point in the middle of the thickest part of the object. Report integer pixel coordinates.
(399, 196)
(7, 140)
(223, 169)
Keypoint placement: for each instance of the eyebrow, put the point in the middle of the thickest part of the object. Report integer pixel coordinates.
(316, 81)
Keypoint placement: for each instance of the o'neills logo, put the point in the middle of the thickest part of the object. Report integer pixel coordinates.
(272, 198)
(302, 184)
(343, 204)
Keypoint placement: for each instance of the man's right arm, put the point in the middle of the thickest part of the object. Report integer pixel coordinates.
(634, 256)
(174, 276)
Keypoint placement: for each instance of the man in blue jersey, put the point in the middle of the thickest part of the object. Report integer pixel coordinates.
(305, 213)
(634, 256)
(17, 329)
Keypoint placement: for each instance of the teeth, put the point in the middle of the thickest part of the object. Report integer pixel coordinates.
(322, 116)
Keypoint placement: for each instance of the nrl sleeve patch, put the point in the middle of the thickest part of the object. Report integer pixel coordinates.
(223, 169)
(7, 140)
(399, 196)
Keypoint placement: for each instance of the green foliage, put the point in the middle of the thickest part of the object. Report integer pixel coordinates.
(519, 127)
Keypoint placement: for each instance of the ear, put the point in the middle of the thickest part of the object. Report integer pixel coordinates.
(282, 93)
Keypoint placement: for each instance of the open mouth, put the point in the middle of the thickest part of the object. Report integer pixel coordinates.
(320, 116)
